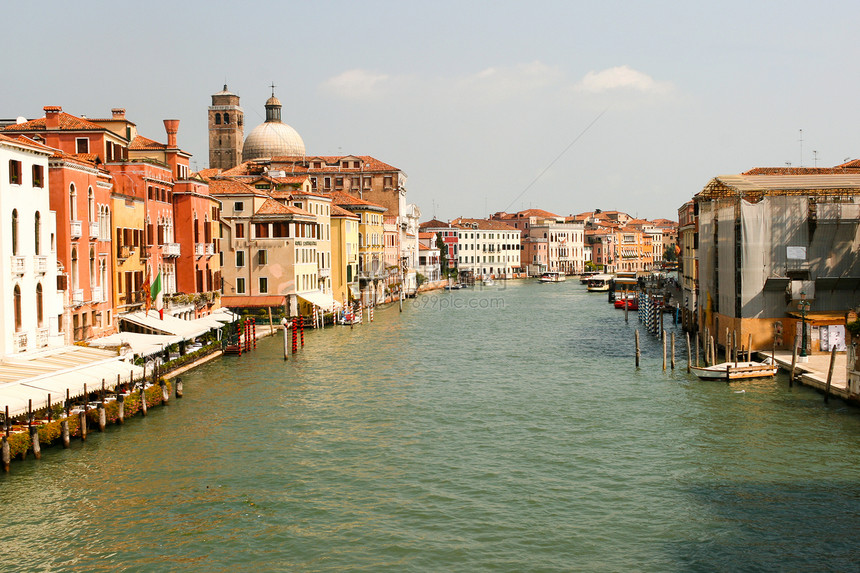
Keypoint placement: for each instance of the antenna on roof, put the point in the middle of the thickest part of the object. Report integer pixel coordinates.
(815, 158)
(801, 148)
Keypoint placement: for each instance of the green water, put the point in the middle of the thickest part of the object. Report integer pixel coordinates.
(503, 429)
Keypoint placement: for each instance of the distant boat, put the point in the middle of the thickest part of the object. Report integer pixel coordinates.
(736, 370)
(454, 286)
(552, 277)
(583, 278)
(489, 282)
(597, 283)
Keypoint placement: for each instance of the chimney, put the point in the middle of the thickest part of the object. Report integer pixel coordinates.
(172, 127)
(52, 116)
(118, 112)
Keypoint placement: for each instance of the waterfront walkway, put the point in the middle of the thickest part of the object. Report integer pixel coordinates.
(813, 372)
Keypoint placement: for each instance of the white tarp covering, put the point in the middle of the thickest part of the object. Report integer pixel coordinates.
(187, 329)
(140, 344)
(70, 368)
(321, 299)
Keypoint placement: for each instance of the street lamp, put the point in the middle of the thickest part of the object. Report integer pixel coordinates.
(803, 306)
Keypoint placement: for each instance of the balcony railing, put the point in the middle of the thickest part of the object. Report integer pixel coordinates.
(78, 296)
(98, 294)
(210, 248)
(41, 264)
(18, 265)
(124, 252)
(20, 341)
(324, 273)
(170, 249)
(42, 338)
(200, 249)
(75, 229)
(94, 229)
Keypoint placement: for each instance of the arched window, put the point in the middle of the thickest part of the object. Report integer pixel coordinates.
(103, 278)
(226, 117)
(17, 308)
(73, 203)
(92, 267)
(217, 119)
(196, 230)
(40, 314)
(38, 231)
(91, 206)
(74, 269)
(14, 231)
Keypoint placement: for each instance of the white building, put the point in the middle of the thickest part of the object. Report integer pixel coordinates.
(32, 309)
(487, 248)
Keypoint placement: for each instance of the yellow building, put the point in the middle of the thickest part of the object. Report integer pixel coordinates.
(344, 250)
(371, 261)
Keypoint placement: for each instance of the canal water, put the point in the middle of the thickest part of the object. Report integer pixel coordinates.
(497, 429)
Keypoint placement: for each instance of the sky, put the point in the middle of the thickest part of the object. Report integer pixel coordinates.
(494, 106)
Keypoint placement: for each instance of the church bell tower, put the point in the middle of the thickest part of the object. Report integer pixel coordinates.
(226, 130)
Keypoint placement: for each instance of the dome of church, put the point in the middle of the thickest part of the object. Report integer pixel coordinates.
(272, 138)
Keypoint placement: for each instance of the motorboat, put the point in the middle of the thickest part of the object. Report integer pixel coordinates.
(488, 282)
(736, 370)
(552, 277)
(630, 300)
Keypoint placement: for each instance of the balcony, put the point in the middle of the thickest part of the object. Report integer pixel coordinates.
(200, 249)
(42, 338)
(40, 263)
(75, 229)
(78, 297)
(98, 294)
(94, 230)
(124, 252)
(18, 265)
(210, 248)
(170, 249)
(20, 342)
(324, 273)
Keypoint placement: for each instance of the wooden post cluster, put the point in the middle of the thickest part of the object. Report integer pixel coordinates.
(830, 374)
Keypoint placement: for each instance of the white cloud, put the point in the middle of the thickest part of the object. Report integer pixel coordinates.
(622, 78)
(356, 84)
(512, 80)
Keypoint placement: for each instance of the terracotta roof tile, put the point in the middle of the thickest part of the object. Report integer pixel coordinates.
(225, 186)
(143, 143)
(345, 199)
(273, 207)
(67, 122)
(483, 224)
(341, 212)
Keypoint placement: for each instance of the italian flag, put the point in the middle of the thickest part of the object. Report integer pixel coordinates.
(156, 294)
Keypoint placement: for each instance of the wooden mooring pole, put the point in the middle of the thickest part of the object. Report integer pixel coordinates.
(673, 352)
(793, 363)
(664, 349)
(830, 374)
(690, 354)
(5, 449)
(749, 347)
(638, 353)
(697, 349)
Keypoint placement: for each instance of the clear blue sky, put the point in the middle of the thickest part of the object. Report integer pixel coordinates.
(473, 100)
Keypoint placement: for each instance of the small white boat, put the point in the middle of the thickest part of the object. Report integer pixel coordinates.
(489, 282)
(552, 277)
(454, 286)
(736, 370)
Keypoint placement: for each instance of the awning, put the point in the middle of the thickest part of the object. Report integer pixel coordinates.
(252, 301)
(140, 344)
(187, 329)
(356, 293)
(224, 315)
(55, 371)
(319, 298)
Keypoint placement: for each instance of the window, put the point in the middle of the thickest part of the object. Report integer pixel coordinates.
(40, 316)
(240, 230)
(38, 233)
(264, 285)
(14, 231)
(240, 258)
(240, 285)
(239, 206)
(82, 145)
(14, 172)
(73, 203)
(226, 117)
(17, 307)
(38, 176)
(217, 119)
(263, 256)
(91, 205)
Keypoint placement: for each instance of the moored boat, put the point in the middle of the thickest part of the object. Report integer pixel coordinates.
(736, 370)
